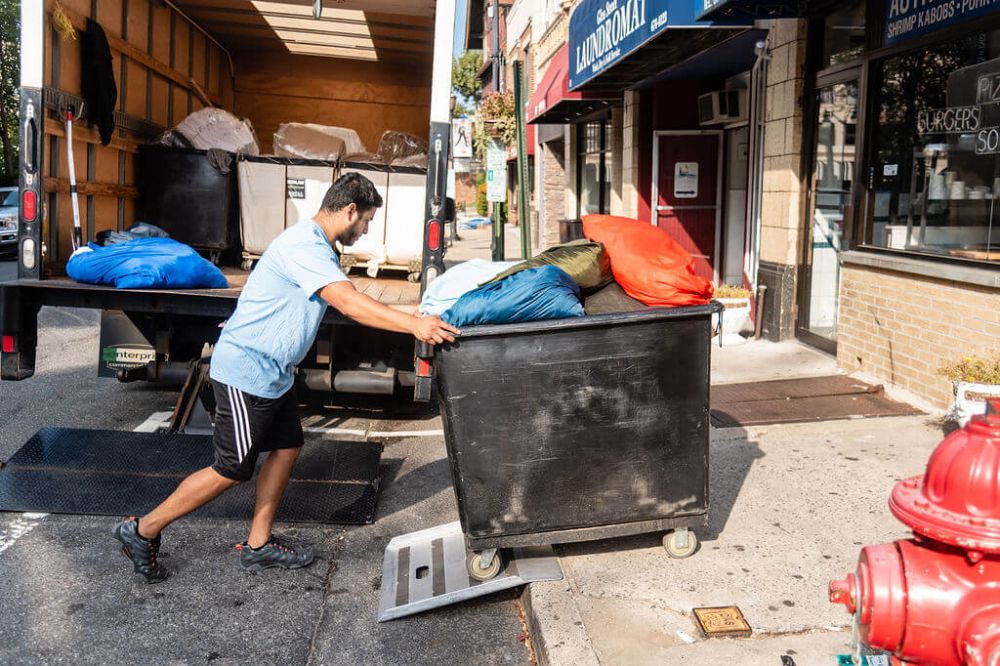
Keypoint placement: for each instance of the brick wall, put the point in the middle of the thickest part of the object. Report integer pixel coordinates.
(783, 190)
(631, 152)
(614, 158)
(901, 328)
(554, 189)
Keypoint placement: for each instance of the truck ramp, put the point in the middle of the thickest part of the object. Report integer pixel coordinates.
(115, 473)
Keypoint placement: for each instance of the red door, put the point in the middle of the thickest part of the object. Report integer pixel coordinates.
(687, 195)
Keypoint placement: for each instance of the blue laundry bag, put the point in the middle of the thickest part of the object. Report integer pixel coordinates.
(455, 282)
(145, 263)
(547, 292)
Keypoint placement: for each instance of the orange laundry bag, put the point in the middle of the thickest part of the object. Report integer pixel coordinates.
(648, 264)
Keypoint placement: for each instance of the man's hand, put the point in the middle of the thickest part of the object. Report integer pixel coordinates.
(366, 311)
(433, 330)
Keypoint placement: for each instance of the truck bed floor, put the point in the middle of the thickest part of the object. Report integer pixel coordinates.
(396, 293)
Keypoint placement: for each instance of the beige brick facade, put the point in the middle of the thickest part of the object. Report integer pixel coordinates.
(553, 185)
(783, 187)
(630, 153)
(615, 160)
(901, 328)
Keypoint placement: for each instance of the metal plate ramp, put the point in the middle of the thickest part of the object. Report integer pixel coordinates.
(105, 472)
(426, 569)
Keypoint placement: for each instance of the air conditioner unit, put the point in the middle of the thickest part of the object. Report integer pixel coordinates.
(722, 106)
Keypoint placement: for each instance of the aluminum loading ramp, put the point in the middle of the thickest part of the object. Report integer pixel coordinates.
(426, 569)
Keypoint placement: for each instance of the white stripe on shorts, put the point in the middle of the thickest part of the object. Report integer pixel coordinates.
(241, 422)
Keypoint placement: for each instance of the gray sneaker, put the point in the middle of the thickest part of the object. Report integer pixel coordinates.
(274, 553)
(142, 552)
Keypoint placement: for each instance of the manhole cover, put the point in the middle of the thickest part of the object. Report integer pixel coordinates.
(726, 622)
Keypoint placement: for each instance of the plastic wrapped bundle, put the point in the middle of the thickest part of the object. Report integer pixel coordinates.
(316, 142)
(364, 158)
(171, 138)
(395, 146)
(215, 128)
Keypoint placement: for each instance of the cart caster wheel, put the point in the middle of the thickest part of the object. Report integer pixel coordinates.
(680, 545)
(413, 277)
(474, 561)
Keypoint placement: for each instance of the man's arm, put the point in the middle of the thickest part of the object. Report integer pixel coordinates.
(369, 312)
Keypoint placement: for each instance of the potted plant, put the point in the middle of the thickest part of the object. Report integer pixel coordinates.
(974, 380)
(736, 317)
(495, 121)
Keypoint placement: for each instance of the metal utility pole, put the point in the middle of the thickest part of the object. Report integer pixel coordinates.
(523, 173)
(497, 55)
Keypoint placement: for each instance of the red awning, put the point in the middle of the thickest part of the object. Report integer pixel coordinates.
(529, 138)
(553, 103)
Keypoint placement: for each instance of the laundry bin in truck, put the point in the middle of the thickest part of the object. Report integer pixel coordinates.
(578, 429)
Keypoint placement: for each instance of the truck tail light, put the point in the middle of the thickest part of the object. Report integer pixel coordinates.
(434, 235)
(30, 205)
(8, 344)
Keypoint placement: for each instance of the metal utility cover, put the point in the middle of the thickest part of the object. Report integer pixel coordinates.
(722, 622)
(426, 569)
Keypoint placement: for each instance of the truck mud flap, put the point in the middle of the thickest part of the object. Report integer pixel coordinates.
(18, 334)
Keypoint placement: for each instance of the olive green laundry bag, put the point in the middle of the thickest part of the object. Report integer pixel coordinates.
(585, 261)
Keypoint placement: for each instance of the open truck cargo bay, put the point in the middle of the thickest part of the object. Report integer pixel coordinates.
(367, 65)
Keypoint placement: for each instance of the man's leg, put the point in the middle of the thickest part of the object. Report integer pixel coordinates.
(194, 492)
(284, 440)
(271, 483)
(235, 458)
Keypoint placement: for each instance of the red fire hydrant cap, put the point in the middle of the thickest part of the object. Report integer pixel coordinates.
(957, 501)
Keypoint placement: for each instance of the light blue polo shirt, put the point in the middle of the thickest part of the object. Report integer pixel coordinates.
(278, 314)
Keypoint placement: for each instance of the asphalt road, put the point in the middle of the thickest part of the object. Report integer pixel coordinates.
(8, 269)
(69, 596)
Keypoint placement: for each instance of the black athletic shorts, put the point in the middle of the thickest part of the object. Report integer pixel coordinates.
(247, 424)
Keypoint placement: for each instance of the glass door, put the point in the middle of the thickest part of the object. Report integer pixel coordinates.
(834, 163)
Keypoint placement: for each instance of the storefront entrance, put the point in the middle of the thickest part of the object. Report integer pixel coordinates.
(834, 164)
(687, 194)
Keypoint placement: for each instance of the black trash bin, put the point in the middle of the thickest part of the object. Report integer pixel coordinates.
(580, 429)
(186, 196)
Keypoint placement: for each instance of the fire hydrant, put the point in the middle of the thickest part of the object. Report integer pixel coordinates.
(935, 598)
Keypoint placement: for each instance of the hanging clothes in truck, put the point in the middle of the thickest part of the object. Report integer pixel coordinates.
(98, 80)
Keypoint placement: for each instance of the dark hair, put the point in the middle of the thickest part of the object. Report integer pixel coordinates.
(352, 188)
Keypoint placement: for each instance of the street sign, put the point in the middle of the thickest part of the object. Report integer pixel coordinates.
(496, 174)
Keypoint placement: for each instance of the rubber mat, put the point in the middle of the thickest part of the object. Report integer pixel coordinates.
(107, 472)
(801, 401)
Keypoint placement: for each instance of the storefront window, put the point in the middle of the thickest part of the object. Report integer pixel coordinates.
(844, 33)
(593, 183)
(935, 160)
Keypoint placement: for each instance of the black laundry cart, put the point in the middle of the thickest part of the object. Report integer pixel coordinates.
(579, 429)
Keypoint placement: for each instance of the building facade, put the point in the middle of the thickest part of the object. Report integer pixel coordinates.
(841, 160)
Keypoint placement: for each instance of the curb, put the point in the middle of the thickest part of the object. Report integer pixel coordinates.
(558, 634)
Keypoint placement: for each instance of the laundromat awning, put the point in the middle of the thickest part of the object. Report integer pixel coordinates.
(554, 103)
(623, 44)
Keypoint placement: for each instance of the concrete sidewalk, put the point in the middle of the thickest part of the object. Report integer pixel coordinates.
(790, 508)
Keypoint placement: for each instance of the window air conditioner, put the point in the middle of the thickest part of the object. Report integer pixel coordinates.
(722, 106)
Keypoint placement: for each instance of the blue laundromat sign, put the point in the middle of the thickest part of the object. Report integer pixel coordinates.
(905, 19)
(602, 32)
